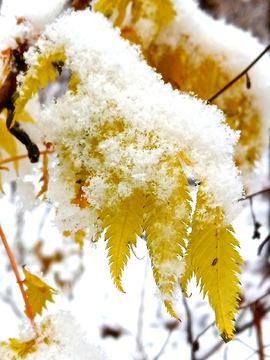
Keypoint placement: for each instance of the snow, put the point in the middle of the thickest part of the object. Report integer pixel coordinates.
(64, 340)
(125, 89)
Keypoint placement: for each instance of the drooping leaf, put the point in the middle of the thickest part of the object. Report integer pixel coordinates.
(165, 230)
(213, 258)
(39, 75)
(37, 292)
(123, 223)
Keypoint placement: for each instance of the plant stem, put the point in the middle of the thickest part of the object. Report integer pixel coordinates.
(239, 76)
(19, 281)
(20, 157)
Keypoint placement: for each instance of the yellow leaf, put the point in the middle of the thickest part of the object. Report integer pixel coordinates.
(165, 230)
(38, 75)
(37, 292)
(22, 348)
(123, 222)
(73, 83)
(213, 258)
(7, 142)
(25, 117)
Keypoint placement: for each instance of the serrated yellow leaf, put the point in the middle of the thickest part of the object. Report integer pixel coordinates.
(37, 292)
(213, 258)
(22, 348)
(123, 223)
(38, 75)
(165, 230)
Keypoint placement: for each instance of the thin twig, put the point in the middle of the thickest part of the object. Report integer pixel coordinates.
(19, 281)
(262, 244)
(238, 76)
(164, 345)
(255, 194)
(204, 331)
(212, 351)
(189, 329)
(139, 337)
(20, 157)
(257, 225)
(254, 302)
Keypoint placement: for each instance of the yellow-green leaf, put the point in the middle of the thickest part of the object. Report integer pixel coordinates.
(165, 230)
(37, 292)
(123, 222)
(213, 258)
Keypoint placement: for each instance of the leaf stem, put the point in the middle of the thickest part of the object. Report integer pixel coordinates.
(19, 281)
(20, 157)
(239, 76)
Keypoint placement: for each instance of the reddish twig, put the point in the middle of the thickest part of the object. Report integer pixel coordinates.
(19, 281)
(258, 313)
(244, 72)
(20, 157)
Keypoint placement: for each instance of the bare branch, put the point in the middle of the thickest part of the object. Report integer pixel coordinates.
(238, 76)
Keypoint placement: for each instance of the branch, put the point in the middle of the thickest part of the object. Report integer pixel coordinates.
(212, 351)
(20, 157)
(257, 310)
(255, 194)
(194, 346)
(80, 4)
(255, 301)
(244, 72)
(19, 281)
(262, 244)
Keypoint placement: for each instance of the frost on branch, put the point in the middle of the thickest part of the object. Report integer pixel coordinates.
(60, 338)
(195, 53)
(125, 143)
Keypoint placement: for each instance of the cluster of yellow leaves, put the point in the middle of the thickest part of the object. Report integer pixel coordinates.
(188, 68)
(164, 222)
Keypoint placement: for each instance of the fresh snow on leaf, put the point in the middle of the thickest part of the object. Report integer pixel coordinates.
(120, 132)
(59, 338)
